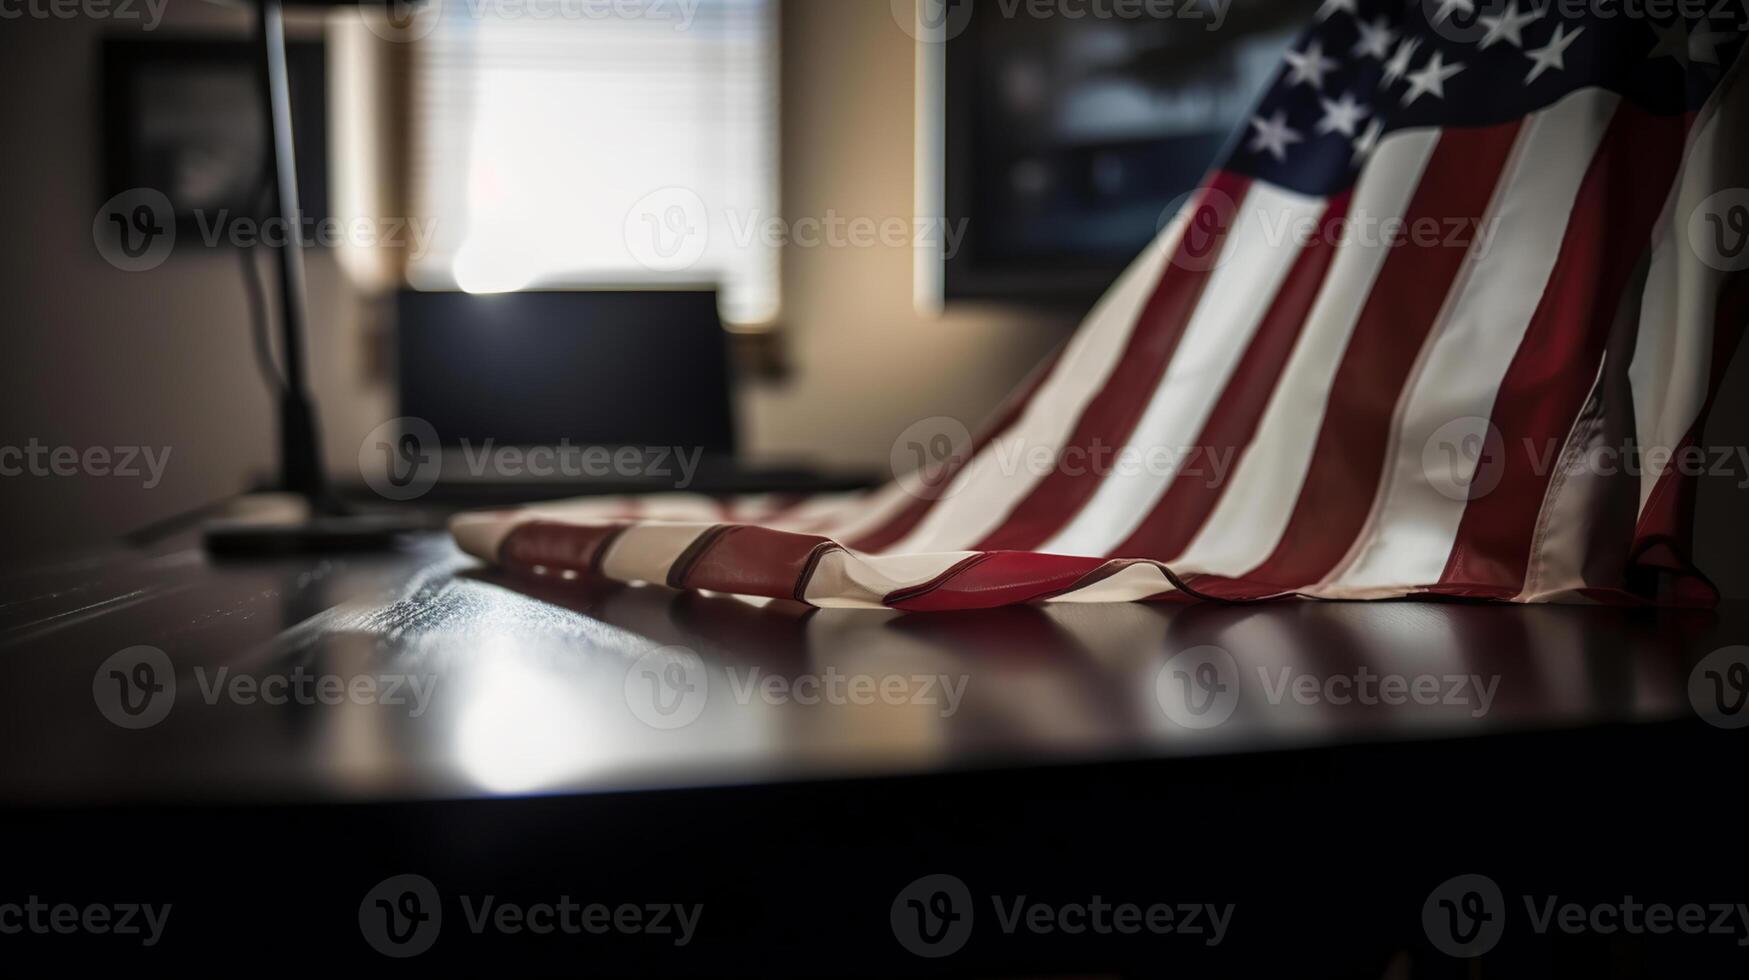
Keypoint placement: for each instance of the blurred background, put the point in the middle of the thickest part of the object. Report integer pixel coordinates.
(894, 218)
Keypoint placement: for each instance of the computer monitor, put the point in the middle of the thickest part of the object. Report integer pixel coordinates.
(588, 367)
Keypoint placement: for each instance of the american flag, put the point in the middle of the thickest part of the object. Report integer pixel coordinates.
(1447, 320)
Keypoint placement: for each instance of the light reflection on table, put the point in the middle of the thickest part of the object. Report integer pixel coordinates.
(534, 683)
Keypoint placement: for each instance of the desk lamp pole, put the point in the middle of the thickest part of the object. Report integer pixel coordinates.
(299, 442)
(329, 526)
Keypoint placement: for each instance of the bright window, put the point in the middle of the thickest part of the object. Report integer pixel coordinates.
(563, 143)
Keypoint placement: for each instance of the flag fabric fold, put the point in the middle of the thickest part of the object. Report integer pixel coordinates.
(1447, 320)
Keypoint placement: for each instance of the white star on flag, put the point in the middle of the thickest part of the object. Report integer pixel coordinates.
(1508, 27)
(1342, 115)
(1273, 135)
(1369, 138)
(1399, 63)
(1701, 45)
(1375, 38)
(1672, 41)
(1330, 8)
(1552, 54)
(1430, 80)
(1309, 66)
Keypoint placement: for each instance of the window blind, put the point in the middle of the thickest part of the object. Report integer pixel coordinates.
(562, 143)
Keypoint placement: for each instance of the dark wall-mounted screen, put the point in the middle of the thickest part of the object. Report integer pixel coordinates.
(1069, 137)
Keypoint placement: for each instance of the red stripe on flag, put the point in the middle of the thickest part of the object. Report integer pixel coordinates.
(1348, 460)
(748, 560)
(1556, 366)
(1112, 415)
(995, 578)
(1664, 540)
(1172, 524)
(550, 544)
(900, 524)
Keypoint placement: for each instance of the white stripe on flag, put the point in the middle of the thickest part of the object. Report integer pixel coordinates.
(874, 509)
(846, 580)
(680, 507)
(987, 489)
(1128, 584)
(1673, 355)
(1414, 522)
(481, 534)
(814, 513)
(1677, 312)
(1263, 488)
(645, 552)
(1257, 255)
(1577, 498)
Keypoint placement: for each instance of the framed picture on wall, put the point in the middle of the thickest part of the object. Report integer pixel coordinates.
(185, 116)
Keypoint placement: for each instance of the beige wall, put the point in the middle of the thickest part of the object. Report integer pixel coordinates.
(867, 363)
(99, 357)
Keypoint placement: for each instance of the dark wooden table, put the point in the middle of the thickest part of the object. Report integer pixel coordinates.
(263, 743)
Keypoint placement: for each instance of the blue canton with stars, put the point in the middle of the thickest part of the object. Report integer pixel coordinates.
(1367, 67)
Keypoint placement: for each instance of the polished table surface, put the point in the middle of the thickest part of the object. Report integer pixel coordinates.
(476, 685)
(344, 718)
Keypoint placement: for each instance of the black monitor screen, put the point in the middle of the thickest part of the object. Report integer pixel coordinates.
(619, 368)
